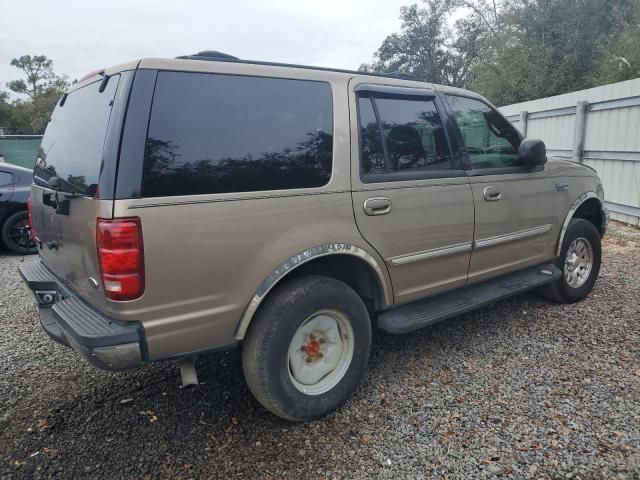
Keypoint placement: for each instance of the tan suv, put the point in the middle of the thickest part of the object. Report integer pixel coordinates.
(188, 205)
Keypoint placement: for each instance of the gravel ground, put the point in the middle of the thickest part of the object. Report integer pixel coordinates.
(522, 389)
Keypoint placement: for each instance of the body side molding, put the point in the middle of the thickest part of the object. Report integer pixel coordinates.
(579, 201)
(510, 237)
(302, 258)
(432, 253)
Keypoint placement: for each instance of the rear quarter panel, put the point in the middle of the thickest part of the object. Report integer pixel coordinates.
(205, 261)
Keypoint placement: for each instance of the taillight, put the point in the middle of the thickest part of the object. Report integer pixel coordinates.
(34, 237)
(121, 257)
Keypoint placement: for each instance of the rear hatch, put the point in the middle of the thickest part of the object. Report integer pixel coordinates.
(66, 197)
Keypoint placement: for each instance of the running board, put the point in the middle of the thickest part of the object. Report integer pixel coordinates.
(416, 315)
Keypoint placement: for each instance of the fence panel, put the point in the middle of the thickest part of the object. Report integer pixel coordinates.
(599, 127)
(20, 149)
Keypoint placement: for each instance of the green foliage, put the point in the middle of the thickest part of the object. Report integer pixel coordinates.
(42, 89)
(5, 110)
(423, 48)
(516, 50)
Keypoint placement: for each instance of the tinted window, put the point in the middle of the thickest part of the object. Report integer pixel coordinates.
(412, 134)
(213, 133)
(490, 140)
(72, 145)
(5, 179)
(372, 153)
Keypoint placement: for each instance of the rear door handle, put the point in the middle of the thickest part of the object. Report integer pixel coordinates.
(377, 206)
(492, 194)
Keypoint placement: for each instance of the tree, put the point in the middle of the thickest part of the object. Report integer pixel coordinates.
(38, 71)
(42, 87)
(5, 110)
(516, 50)
(424, 48)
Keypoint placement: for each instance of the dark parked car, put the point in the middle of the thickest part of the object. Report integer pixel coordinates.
(15, 185)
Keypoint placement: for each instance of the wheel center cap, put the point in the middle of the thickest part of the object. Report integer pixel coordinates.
(312, 347)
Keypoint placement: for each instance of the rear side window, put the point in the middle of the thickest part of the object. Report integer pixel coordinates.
(6, 179)
(490, 140)
(72, 145)
(403, 136)
(212, 133)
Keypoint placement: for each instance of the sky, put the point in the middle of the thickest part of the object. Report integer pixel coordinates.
(81, 36)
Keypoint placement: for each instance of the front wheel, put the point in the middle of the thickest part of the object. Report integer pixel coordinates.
(579, 261)
(307, 349)
(16, 234)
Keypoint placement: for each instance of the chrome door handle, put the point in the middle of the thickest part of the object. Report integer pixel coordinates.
(492, 194)
(561, 187)
(377, 206)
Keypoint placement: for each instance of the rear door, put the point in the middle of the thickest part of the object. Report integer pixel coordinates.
(68, 178)
(514, 204)
(412, 201)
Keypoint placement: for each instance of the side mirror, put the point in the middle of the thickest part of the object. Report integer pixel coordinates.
(532, 152)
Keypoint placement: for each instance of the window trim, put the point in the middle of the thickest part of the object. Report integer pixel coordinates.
(393, 91)
(466, 159)
(406, 175)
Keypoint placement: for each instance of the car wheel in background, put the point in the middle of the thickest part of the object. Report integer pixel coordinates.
(16, 234)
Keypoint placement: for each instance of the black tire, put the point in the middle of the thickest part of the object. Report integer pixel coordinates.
(15, 234)
(560, 290)
(265, 353)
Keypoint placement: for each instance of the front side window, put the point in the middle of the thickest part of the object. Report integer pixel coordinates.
(401, 135)
(212, 133)
(489, 139)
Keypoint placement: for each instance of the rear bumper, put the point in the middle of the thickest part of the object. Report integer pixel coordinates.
(106, 343)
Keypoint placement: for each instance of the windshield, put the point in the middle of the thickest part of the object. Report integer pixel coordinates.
(71, 148)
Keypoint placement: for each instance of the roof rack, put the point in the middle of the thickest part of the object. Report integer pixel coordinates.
(211, 55)
(216, 56)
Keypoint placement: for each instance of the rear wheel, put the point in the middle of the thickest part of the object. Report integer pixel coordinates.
(307, 349)
(16, 234)
(579, 261)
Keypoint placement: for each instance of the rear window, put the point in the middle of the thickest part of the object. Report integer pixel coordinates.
(212, 133)
(72, 145)
(5, 179)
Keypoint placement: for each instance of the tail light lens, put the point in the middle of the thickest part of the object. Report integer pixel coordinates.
(121, 257)
(34, 237)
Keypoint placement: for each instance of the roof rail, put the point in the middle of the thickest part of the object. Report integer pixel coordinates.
(211, 55)
(399, 74)
(215, 56)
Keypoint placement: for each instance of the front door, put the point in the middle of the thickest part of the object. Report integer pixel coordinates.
(411, 202)
(514, 203)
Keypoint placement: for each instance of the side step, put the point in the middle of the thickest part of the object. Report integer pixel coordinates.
(416, 315)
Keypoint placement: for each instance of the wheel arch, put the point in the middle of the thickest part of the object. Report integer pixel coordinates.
(323, 259)
(588, 206)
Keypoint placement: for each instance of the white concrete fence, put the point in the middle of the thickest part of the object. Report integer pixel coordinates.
(599, 127)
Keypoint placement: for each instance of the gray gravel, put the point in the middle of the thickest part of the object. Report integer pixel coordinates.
(522, 389)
